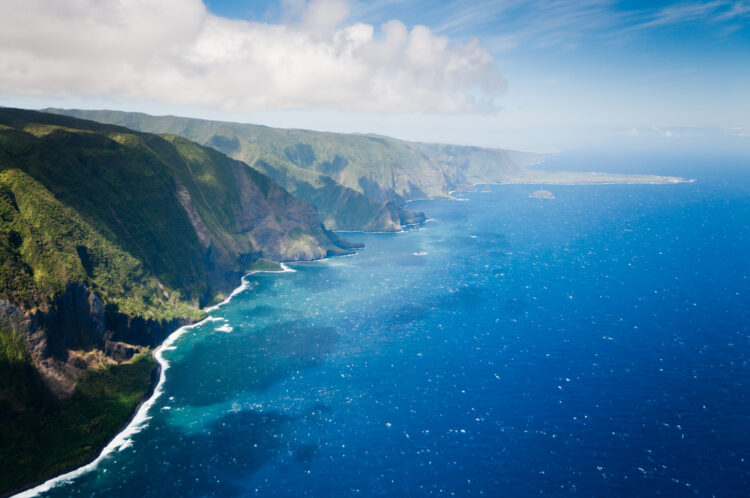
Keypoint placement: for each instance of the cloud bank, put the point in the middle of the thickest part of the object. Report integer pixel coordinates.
(175, 51)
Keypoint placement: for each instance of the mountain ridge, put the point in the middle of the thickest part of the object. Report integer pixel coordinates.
(356, 181)
(359, 181)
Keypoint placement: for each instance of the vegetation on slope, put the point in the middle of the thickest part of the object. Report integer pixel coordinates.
(44, 245)
(340, 207)
(380, 167)
(141, 211)
(357, 182)
(49, 437)
(20, 385)
(109, 239)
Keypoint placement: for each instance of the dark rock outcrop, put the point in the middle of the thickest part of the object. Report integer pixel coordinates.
(79, 332)
(409, 217)
(120, 351)
(76, 321)
(139, 330)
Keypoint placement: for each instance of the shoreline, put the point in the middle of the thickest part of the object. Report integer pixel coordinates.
(558, 178)
(25, 490)
(546, 177)
(140, 416)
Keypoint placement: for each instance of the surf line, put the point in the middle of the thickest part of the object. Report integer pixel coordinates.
(139, 421)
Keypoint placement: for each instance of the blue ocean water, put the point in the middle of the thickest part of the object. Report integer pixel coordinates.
(592, 344)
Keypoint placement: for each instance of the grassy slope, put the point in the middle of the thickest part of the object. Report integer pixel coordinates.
(44, 245)
(339, 207)
(347, 177)
(121, 185)
(334, 171)
(112, 199)
(265, 265)
(399, 169)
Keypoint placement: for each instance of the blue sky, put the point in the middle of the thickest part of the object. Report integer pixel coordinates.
(597, 63)
(537, 72)
(687, 60)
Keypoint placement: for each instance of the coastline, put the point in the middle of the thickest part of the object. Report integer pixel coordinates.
(27, 489)
(537, 177)
(526, 181)
(140, 416)
(561, 178)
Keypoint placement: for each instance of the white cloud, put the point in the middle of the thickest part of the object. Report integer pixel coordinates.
(175, 51)
(633, 132)
(738, 131)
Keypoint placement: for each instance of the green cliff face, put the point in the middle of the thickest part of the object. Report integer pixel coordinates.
(109, 240)
(356, 182)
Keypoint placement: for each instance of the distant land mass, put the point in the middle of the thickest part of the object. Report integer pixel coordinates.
(358, 182)
(117, 228)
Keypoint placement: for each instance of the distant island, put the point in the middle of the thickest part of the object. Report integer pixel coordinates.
(542, 194)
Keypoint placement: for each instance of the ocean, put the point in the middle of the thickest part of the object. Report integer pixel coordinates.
(593, 344)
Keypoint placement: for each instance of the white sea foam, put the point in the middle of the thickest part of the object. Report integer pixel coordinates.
(140, 420)
(225, 328)
(245, 284)
(236, 291)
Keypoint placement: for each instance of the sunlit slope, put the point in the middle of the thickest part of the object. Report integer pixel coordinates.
(180, 209)
(355, 181)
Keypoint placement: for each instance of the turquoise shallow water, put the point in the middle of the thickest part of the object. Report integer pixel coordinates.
(595, 343)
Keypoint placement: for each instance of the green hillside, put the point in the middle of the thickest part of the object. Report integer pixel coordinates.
(165, 202)
(109, 240)
(355, 181)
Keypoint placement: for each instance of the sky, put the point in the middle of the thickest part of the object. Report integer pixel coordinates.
(535, 75)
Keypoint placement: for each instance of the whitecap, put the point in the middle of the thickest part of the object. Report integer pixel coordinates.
(122, 440)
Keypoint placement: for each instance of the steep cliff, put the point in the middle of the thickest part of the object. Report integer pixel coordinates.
(357, 182)
(109, 240)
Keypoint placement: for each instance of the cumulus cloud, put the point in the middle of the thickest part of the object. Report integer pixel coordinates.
(633, 132)
(175, 51)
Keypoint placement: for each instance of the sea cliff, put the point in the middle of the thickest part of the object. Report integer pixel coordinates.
(111, 239)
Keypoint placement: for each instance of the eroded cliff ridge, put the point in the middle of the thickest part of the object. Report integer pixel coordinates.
(356, 182)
